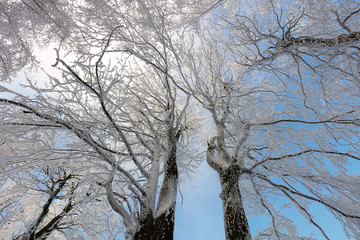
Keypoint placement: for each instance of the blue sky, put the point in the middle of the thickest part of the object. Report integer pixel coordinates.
(200, 215)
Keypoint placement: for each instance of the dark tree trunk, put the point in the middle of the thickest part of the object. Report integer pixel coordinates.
(145, 227)
(165, 212)
(160, 228)
(235, 221)
(164, 225)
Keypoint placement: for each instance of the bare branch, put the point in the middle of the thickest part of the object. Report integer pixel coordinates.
(288, 190)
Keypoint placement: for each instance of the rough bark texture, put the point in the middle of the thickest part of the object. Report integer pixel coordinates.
(165, 217)
(236, 224)
(160, 228)
(145, 227)
(318, 42)
(164, 225)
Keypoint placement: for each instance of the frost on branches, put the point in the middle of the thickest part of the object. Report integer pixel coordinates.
(108, 106)
(115, 112)
(281, 85)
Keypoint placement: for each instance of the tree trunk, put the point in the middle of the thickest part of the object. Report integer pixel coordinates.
(165, 212)
(164, 225)
(160, 228)
(235, 221)
(145, 227)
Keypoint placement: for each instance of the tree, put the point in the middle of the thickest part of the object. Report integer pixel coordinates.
(285, 114)
(54, 201)
(25, 192)
(22, 24)
(127, 115)
(57, 182)
(279, 80)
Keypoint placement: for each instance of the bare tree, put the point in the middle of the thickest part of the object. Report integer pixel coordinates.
(285, 112)
(25, 26)
(278, 78)
(118, 103)
(54, 186)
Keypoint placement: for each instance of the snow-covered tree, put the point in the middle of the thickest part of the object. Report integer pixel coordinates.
(280, 81)
(278, 78)
(112, 107)
(53, 183)
(54, 201)
(22, 23)
(35, 200)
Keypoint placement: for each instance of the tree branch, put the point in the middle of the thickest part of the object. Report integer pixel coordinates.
(287, 189)
(115, 205)
(310, 150)
(82, 135)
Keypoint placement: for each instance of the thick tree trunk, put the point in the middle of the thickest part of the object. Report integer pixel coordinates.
(160, 228)
(145, 227)
(164, 225)
(165, 212)
(235, 221)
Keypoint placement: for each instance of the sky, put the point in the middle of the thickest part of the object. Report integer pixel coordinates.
(199, 217)
(199, 210)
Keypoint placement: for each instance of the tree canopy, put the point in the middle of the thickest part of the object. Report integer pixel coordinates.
(131, 96)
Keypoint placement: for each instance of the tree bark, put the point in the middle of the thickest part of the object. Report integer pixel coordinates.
(165, 212)
(145, 227)
(321, 42)
(161, 227)
(164, 225)
(235, 221)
